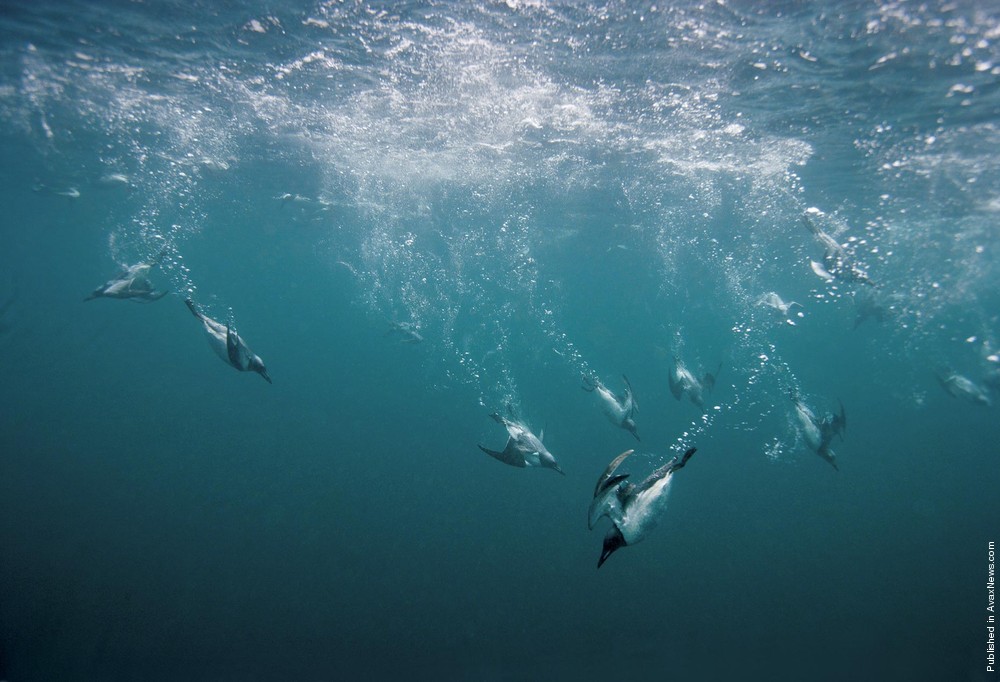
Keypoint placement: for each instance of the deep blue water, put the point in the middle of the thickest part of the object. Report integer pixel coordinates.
(544, 190)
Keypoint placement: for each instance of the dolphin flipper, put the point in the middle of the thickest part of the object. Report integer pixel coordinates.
(820, 271)
(629, 395)
(239, 355)
(508, 456)
(608, 500)
(148, 296)
(613, 481)
(840, 421)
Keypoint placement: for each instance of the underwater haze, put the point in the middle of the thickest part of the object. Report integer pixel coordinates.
(418, 214)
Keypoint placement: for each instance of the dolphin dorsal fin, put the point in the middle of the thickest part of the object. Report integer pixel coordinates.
(615, 463)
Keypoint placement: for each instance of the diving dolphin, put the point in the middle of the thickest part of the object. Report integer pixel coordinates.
(959, 386)
(619, 410)
(781, 309)
(228, 345)
(523, 448)
(131, 283)
(683, 382)
(819, 433)
(405, 332)
(837, 263)
(634, 510)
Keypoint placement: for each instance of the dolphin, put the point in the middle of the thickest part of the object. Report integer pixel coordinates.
(837, 263)
(634, 510)
(819, 433)
(683, 382)
(781, 309)
(405, 332)
(620, 410)
(959, 386)
(523, 448)
(131, 283)
(228, 345)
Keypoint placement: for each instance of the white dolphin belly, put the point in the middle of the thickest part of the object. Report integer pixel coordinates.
(643, 512)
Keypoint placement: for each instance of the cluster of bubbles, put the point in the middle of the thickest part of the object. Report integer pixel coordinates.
(443, 129)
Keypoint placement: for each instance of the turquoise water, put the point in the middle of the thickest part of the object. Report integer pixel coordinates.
(543, 191)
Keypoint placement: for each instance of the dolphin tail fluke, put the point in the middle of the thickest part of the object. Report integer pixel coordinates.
(588, 384)
(193, 308)
(495, 416)
(679, 464)
(157, 295)
(809, 224)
